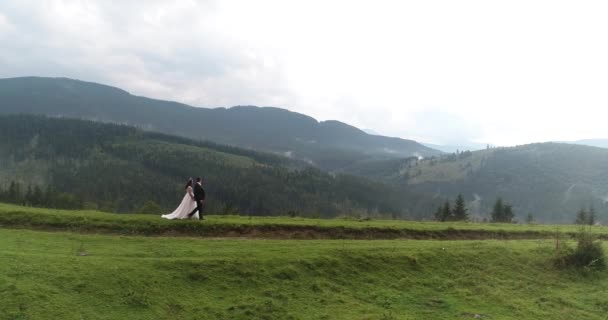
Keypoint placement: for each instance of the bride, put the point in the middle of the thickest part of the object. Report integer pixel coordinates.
(188, 204)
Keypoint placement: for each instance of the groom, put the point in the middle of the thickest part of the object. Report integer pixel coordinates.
(199, 197)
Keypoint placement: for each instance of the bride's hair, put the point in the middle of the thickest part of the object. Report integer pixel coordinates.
(188, 184)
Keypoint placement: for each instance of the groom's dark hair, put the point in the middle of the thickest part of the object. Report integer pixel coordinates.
(198, 179)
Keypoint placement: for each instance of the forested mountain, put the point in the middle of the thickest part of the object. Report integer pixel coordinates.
(552, 181)
(119, 168)
(329, 145)
(111, 166)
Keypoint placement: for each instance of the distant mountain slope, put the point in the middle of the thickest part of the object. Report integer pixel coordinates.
(600, 143)
(329, 144)
(550, 180)
(467, 146)
(119, 168)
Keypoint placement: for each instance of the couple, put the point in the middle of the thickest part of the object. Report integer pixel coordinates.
(192, 204)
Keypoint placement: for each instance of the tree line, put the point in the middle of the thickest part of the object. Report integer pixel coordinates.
(39, 197)
(586, 217)
(502, 212)
(448, 213)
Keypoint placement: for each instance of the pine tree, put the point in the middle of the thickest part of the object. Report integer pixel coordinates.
(591, 217)
(38, 197)
(530, 218)
(439, 214)
(582, 217)
(498, 211)
(460, 210)
(49, 197)
(446, 211)
(14, 193)
(29, 196)
(508, 214)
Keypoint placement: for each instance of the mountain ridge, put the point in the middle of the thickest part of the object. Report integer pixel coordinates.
(328, 144)
(600, 143)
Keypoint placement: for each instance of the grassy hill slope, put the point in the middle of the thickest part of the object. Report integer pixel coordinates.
(71, 276)
(550, 180)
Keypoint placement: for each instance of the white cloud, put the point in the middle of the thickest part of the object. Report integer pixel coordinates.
(440, 71)
(5, 25)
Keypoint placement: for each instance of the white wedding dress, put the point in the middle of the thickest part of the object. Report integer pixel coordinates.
(184, 208)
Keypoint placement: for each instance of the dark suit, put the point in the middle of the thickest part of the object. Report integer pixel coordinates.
(199, 197)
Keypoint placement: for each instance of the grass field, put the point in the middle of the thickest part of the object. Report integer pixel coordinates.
(272, 227)
(75, 276)
(71, 273)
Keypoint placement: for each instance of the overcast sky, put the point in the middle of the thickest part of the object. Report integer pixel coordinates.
(500, 72)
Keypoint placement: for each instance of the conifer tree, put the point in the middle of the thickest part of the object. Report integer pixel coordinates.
(582, 217)
(508, 214)
(49, 197)
(591, 216)
(14, 193)
(29, 196)
(439, 214)
(446, 211)
(460, 210)
(38, 197)
(497, 212)
(530, 218)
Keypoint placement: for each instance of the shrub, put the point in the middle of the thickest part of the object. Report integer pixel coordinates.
(150, 207)
(90, 206)
(588, 253)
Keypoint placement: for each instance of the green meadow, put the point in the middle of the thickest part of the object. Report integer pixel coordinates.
(73, 272)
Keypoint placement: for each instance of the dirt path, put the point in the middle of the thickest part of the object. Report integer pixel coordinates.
(295, 232)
